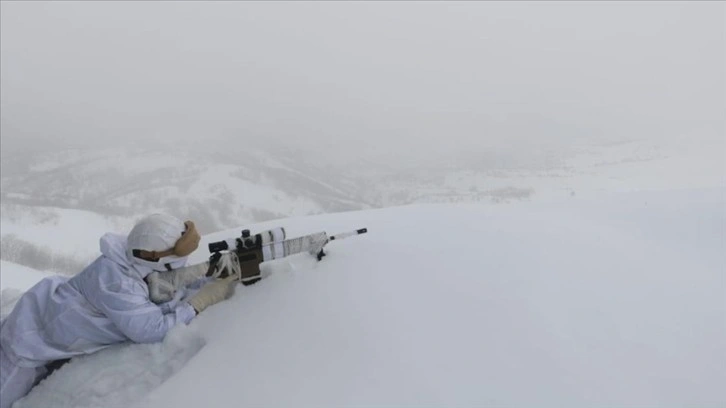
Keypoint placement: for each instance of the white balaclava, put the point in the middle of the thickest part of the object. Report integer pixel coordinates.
(156, 232)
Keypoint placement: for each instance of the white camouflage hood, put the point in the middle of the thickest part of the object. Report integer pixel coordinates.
(113, 246)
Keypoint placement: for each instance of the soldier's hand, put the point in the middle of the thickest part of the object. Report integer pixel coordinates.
(213, 292)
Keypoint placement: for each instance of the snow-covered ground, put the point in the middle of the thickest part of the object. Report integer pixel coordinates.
(60, 232)
(19, 277)
(616, 301)
(14, 280)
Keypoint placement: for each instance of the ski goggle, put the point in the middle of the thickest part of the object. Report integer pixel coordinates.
(184, 246)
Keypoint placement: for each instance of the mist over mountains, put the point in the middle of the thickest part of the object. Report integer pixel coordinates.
(223, 186)
(46, 195)
(217, 189)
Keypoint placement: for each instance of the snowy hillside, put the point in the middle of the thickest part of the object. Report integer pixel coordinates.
(222, 188)
(610, 302)
(46, 196)
(89, 191)
(583, 170)
(219, 188)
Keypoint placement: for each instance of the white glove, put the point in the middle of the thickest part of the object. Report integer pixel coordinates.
(164, 285)
(213, 292)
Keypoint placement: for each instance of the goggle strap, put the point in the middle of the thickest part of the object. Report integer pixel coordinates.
(187, 244)
(152, 255)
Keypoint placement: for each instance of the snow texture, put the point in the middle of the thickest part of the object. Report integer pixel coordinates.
(613, 302)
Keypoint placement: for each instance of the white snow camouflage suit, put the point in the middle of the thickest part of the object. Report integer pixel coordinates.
(61, 317)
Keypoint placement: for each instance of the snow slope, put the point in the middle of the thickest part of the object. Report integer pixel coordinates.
(610, 302)
(14, 280)
(19, 277)
(48, 229)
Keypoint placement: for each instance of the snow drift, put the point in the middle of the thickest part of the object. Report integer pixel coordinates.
(614, 302)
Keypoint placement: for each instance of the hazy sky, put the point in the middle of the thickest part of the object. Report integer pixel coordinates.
(403, 78)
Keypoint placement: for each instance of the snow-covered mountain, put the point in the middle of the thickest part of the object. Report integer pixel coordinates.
(46, 195)
(223, 187)
(219, 189)
(580, 303)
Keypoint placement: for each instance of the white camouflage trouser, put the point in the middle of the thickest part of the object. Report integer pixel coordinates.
(15, 381)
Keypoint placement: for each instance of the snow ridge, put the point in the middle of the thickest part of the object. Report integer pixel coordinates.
(584, 303)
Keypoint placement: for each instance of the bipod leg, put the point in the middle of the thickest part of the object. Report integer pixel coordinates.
(321, 254)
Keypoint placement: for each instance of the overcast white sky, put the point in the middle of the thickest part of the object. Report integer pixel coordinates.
(363, 78)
